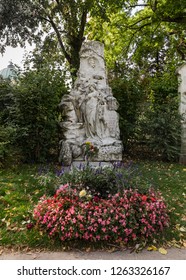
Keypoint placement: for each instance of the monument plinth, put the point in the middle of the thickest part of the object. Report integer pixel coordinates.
(181, 71)
(90, 111)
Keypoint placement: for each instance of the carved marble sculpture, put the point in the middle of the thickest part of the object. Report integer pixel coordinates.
(90, 111)
(181, 71)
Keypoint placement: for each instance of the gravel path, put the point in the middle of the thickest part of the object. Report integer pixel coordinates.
(172, 254)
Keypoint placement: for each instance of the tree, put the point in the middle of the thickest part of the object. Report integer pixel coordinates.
(64, 20)
(151, 30)
(18, 23)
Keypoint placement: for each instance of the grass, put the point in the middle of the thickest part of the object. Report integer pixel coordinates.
(170, 179)
(21, 187)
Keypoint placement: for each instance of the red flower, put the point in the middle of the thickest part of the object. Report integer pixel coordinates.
(153, 199)
(144, 198)
(96, 198)
(30, 226)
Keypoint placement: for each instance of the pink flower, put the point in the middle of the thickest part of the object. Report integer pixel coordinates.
(134, 236)
(144, 198)
(71, 210)
(69, 217)
(62, 188)
(80, 217)
(81, 226)
(128, 231)
(115, 229)
(103, 223)
(74, 220)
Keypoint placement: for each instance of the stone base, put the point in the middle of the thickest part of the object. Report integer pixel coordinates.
(110, 153)
(109, 149)
(79, 164)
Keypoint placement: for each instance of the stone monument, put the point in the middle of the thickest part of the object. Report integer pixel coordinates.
(181, 71)
(89, 112)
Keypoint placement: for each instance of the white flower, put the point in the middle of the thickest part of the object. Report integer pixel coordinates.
(89, 196)
(82, 193)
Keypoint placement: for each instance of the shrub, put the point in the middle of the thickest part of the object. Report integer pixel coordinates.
(126, 217)
(160, 129)
(105, 180)
(7, 139)
(129, 94)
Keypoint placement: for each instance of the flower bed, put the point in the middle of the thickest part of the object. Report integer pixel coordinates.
(127, 216)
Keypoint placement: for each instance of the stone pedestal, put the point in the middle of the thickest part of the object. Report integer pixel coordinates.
(94, 164)
(183, 144)
(181, 71)
(90, 111)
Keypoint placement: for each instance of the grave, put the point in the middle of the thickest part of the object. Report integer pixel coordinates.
(89, 112)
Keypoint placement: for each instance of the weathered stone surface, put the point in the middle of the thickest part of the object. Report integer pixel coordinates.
(181, 71)
(89, 111)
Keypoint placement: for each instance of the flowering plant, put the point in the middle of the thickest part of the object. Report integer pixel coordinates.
(126, 217)
(104, 180)
(90, 150)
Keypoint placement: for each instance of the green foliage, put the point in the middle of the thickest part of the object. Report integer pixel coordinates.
(37, 97)
(149, 34)
(29, 112)
(7, 128)
(160, 125)
(7, 140)
(63, 21)
(163, 88)
(7, 101)
(18, 23)
(128, 92)
(161, 130)
(105, 180)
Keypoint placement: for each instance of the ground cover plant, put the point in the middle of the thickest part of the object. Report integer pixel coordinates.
(124, 217)
(22, 187)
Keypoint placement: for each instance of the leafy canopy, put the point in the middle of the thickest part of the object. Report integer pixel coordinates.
(61, 20)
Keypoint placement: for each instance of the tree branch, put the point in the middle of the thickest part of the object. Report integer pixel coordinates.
(138, 5)
(83, 23)
(153, 5)
(138, 21)
(180, 19)
(67, 56)
(134, 34)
